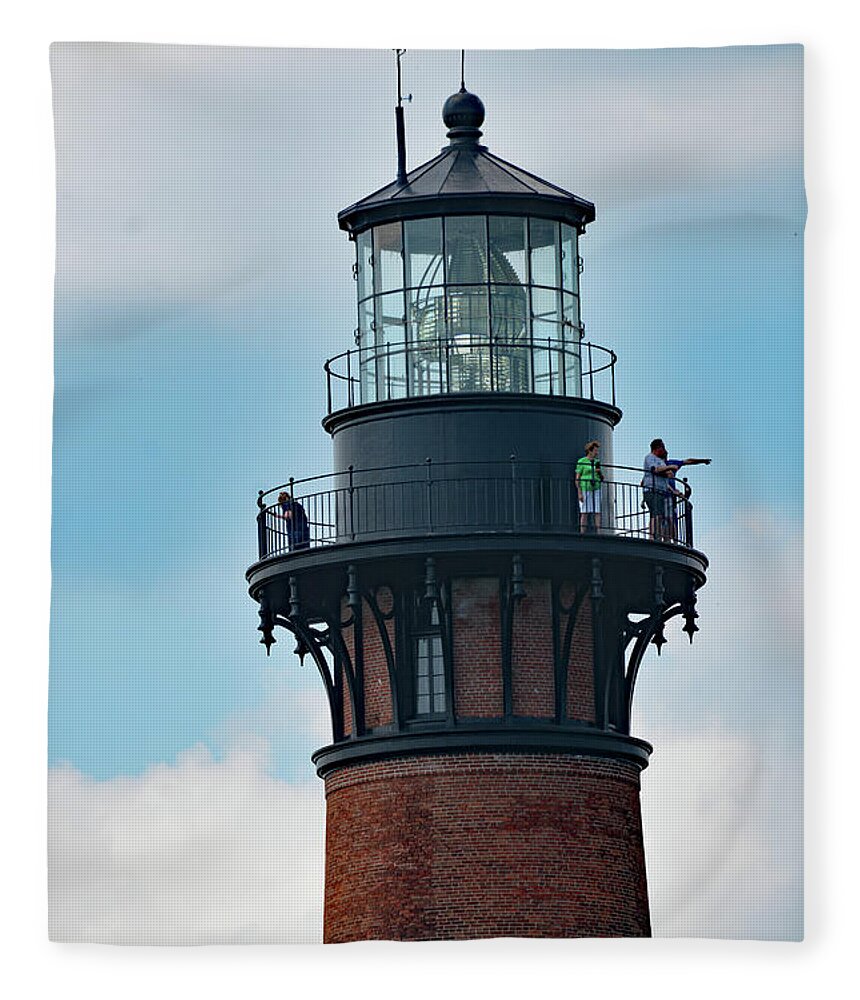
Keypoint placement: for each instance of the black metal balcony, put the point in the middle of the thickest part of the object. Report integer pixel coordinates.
(436, 367)
(435, 499)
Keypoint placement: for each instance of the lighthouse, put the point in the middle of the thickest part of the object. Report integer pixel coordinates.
(477, 625)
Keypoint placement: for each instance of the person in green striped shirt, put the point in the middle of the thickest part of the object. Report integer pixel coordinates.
(588, 480)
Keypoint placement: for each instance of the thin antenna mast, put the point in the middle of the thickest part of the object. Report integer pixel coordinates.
(400, 125)
(462, 71)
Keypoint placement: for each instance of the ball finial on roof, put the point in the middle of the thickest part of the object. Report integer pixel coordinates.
(463, 113)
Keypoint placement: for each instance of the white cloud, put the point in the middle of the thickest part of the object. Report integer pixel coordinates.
(285, 710)
(180, 177)
(723, 836)
(745, 666)
(722, 799)
(198, 852)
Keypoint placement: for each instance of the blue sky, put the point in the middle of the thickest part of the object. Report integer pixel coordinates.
(202, 281)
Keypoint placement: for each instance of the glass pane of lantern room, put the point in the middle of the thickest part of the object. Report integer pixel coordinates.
(546, 310)
(509, 307)
(426, 338)
(509, 312)
(572, 338)
(466, 250)
(467, 348)
(391, 337)
(390, 319)
(366, 325)
(367, 374)
(364, 260)
(546, 335)
(545, 253)
(366, 344)
(388, 257)
(467, 314)
(423, 252)
(426, 314)
(569, 260)
(507, 250)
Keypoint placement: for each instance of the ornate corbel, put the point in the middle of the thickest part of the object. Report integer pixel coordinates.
(518, 589)
(295, 606)
(601, 665)
(343, 666)
(690, 614)
(314, 643)
(645, 631)
(353, 596)
(430, 587)
(659, 637)
(596, 580)
(511, 591)
(267, 623)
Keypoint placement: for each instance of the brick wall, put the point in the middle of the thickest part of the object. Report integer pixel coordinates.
(484, 845)
(477, 648)
(580, 668)
(532, 669)
(478, 656)
(377, 692)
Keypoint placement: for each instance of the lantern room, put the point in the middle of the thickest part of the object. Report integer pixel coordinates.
(467, 276)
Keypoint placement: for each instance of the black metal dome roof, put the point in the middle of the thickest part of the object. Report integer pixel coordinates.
(466, 178)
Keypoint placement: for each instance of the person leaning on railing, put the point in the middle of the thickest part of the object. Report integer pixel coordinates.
(589, 478)
(298, 528)
(659, 495)
(674, 498)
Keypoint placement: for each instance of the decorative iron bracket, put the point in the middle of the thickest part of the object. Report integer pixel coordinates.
(511, 591)
(343, 662)
(690, 613)
(562, 643)
(646, 631)
(314, 643)
(267, 623)
(381, 618)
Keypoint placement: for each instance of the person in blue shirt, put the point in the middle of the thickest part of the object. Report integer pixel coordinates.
(660, 492)
(677, 492)
(298, 527)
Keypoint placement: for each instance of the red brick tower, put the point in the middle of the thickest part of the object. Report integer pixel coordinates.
(477, 624)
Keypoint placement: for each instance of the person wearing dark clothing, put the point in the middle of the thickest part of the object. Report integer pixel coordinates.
(677, 491)
(298, 527)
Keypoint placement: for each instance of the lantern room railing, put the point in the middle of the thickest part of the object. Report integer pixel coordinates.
(450, 498)
(437, 367)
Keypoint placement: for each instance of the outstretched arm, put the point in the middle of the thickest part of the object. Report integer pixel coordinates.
(696, 461)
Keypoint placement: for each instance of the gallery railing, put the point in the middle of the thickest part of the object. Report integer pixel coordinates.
(433, 367)
(452, 498)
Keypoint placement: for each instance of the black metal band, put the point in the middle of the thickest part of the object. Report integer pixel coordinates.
(580, 743)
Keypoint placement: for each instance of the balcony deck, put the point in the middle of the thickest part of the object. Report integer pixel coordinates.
(448, 499)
